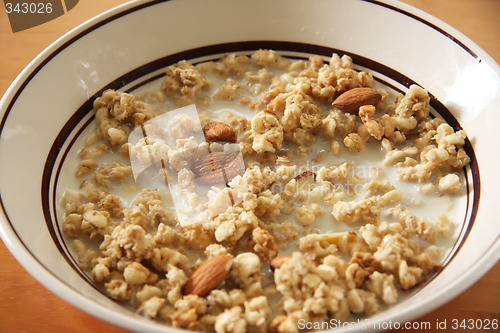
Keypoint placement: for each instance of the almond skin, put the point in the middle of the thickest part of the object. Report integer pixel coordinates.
(216, 168)
(305, 174)
(216, 131)
(209, 275)
(278, 261)
(353, 99)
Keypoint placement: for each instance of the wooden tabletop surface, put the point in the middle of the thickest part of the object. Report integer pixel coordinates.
(26, 306)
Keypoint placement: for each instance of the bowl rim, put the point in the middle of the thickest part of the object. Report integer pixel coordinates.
(54, 284)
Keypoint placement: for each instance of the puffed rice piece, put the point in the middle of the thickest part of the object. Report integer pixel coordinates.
(354, 143)
(257, 311)
(246, 272)
(450, 183)
(383, 286)
(231, 321)
(188, 311)
(233, 223)
(151, 307)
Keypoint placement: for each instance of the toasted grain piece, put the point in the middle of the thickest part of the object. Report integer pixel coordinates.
(219, 132)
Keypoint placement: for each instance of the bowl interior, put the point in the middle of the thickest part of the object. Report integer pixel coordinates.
(132, 44)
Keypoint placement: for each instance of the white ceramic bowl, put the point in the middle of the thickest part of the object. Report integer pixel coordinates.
(50, 101)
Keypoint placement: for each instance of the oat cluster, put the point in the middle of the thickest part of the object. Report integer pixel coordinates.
(308, 237)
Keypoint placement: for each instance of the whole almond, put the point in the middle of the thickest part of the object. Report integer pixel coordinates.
(353, 99)
(219, 132)
(217, 167)
(209, 275)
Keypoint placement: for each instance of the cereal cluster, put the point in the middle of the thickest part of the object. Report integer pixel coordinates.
(305, 236)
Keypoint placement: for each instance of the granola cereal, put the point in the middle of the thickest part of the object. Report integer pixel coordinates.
(291, 208)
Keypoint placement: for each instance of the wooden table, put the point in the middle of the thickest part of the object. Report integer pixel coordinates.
(26, 306)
